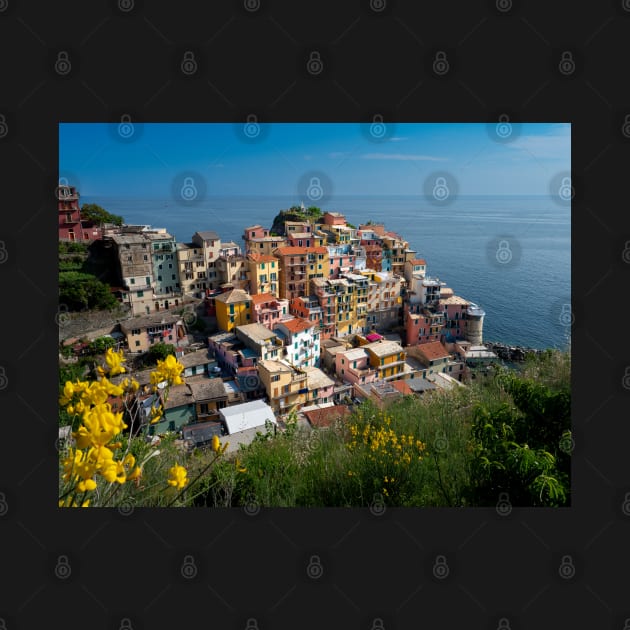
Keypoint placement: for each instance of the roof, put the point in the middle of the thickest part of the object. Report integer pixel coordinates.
(178, 395)
(433, 350)
(146, 321)
(293, 251)
(355, 354)
(418, 261)
(325, 416)
(247, 416)
(383, 348)
(231, 297)
(402, 387)
(204, 388)
(316, 378)
(274, 365)
(296, 325)
(454, 299)
(373, 337)
(228, 245)
(207, 235)
(263, 298)
(420, 384)
(261, 258)
(256, 332)
(200, 357)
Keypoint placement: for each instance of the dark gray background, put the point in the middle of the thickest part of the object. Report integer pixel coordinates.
(125, 569)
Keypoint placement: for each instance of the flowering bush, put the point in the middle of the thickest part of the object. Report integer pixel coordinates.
(102, 467)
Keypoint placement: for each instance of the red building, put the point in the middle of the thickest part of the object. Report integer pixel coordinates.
(70, 228)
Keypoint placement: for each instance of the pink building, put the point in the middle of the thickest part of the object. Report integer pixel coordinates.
(334, 218)
(340, 262)
(320, 386)
(422, 324)
(353, 366)
(269, 310)
(255, 231)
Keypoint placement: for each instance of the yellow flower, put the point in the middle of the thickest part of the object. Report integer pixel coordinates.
(168, 370)
(88, 484)
(114, 360)
(156, 414)
(239, 468)
(178, 477)
(216, 443)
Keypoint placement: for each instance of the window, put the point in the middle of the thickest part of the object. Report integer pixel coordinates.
(145, 258)
(137, 343)
(140, 293)
(170, 265)
(148, 280)
(275, 378)
(159, 278)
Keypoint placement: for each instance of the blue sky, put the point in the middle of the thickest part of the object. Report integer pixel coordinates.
(92, 155)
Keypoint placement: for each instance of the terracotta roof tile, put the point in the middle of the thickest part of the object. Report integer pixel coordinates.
(326, 416)
(433, 350)
(297, 324)
(296, 251)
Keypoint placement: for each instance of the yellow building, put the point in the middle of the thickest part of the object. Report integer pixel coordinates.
(286, 386)
(264, 273)
(233, 308)
(388, 358)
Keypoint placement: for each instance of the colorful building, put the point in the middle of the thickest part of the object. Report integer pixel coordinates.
(233, 308)
(298, 265)
(268, 310)
(143, 332)
(285, 385)
(388, 359)
(301, 341)
(263, 272)
(209, 242)
(70, 228)
(353, 366)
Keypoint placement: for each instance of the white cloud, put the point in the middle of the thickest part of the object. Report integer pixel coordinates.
(337, 155)
(408, 157)
(554, 145)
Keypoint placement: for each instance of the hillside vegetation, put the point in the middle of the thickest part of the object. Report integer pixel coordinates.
(507, 439)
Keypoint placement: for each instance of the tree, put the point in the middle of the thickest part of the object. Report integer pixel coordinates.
(160, 351)
(93, 212)
(80, 291)
(523, 449)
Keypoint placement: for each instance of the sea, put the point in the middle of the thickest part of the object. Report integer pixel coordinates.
(511, 255)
